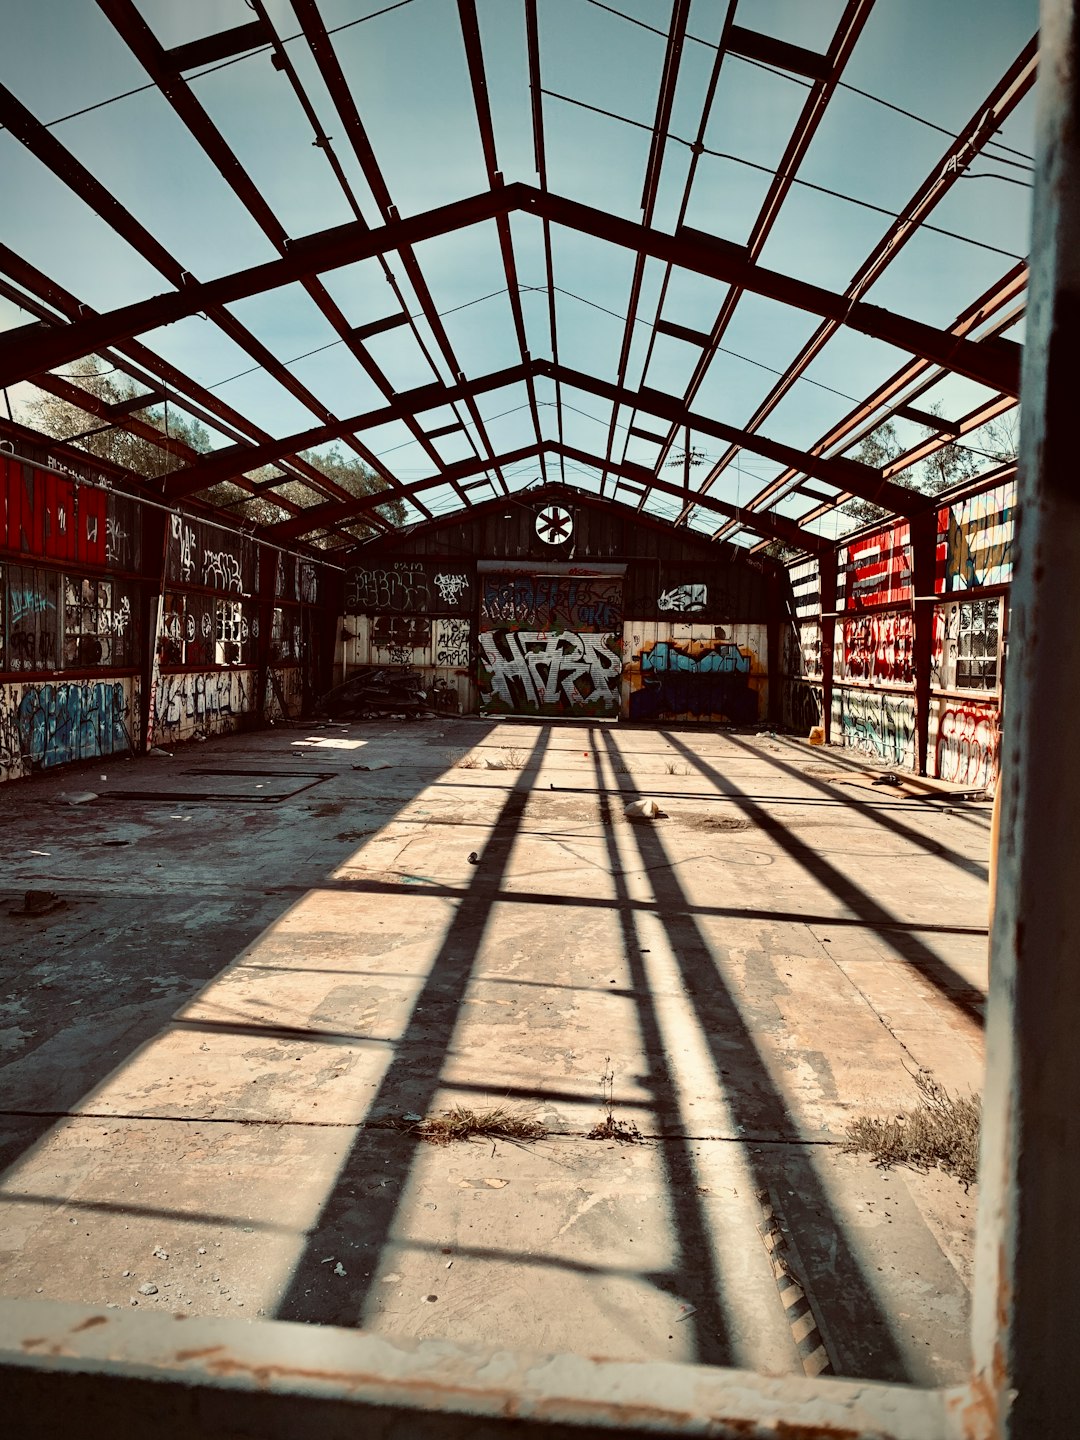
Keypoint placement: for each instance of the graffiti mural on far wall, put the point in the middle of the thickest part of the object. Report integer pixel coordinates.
(704, 679)
(400, 635)
(683, 599)
(195, 701)
(878, 724)
(547, 672)
(452, 647)
(967, 746)
(557, 602)
(880, 647)
(56, 724)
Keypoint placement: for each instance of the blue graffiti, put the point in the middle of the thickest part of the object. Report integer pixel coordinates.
(711, 685)
(61, 723)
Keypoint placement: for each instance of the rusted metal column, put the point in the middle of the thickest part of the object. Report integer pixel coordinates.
(777, 619)
(269, 560)
(923, 545)
(1025, 1321)
(826, 605)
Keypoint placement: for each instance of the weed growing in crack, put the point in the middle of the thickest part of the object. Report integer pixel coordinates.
(515, 759)
(609, 1128)
(940, 1132)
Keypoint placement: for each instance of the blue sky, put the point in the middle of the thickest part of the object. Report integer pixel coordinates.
(407, 70)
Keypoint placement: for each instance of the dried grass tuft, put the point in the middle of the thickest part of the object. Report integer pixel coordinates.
(460, 1123)
(940, 1132)
(612, 1129)
(463, 760)
(515, 759)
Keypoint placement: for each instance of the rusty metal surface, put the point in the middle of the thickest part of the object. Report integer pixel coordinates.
(65, 1364)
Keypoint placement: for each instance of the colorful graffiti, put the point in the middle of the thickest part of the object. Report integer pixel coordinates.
(876, 570)
(700, 679)
(880, 647)
(975, 540)
(78, 721)
(876, 724)
(967, 746)
(57, 518)
(548, 672)
(552, 602)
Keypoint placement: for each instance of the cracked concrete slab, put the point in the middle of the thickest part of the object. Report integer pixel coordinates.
(211, 1045)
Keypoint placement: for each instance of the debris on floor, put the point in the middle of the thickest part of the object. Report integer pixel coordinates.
(644, 810)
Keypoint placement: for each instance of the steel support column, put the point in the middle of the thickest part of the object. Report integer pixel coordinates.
(923, 556)
(827, 604)
(1024, 1333)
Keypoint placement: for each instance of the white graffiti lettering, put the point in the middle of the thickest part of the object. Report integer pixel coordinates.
(451, 587)
(684, 598)
(534, 668)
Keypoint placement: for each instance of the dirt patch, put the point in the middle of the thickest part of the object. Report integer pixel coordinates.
(713, 823)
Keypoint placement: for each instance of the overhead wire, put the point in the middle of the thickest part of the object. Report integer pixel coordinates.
(221, 65)
(798, 80)
(794, 179)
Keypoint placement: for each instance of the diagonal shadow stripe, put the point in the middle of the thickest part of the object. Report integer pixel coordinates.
(411, 1080)
(949, 982)
(869, 1348)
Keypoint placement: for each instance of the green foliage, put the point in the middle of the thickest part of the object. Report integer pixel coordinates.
(949, 465)
(68, 421)
(184, 438)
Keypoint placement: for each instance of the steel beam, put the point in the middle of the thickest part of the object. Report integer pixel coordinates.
(983, 124)
(226, 464)
(773, 527)
(846, 474)
(990, 306)
(28, 349)
(137, 34)
(314, 28)
(48, 149)
(848, 29)
(851, 475)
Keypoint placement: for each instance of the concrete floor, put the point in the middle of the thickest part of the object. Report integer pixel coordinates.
(265, 956)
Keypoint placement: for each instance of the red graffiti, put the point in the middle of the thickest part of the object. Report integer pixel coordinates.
(967, 747)
(880, 647)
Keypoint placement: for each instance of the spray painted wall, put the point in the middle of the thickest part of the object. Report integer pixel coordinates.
(48, 723)
(694, 673)
(872, 625)
(550, 645)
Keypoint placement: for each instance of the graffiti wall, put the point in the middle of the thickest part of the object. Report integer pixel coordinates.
(876, 723)
(440, 649)
(975, 540)
(50, 723)
(876, 569)
(879, 647)
(550, 645)
(695, 673)
(966, 743)
(201, 703)
(411, 587)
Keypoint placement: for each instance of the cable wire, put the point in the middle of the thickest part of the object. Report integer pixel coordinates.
(787, 175)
